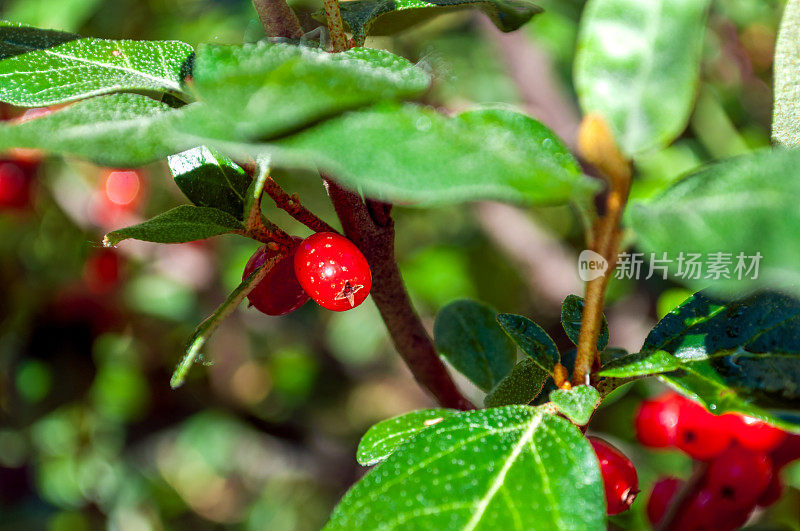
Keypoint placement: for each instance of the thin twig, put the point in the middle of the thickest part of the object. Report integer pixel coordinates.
(278, 19)
(410, 338)
(291, 205)
(335, 25)
(598, 147)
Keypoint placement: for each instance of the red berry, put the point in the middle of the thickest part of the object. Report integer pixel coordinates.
(739, 476)
(278, 293)
(753, 433)
(663, 492)
(101, 272)
(123, 188)
(773, 491)
(657, 421)
(731, 520)
(787, 451)
(619, 476)
(700, 434)
(15, 185)
(332, 271)
(700, 514)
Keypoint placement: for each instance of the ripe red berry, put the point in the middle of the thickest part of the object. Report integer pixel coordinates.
(700, 434)
(663, 492)
(619, 476)
(15, 185)
(731, 520)
(773, 491)
(787, 451)
(700, 514)
(753, 433)
(657, 421)
(278, 293)
(102, 271)
(332, 271)
(739, 476)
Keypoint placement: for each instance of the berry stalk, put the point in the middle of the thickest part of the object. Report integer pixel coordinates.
(292, 206)
(278, 19)
(598, 147)
(335, 27)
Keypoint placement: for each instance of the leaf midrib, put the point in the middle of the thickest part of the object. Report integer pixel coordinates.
(161, 80)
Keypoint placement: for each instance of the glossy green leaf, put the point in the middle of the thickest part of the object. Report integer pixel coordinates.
(640, 364)
(210, 179)
(205, 329)
(532, 339)
(739, 356)
(577, 404)
(514, 467)
(521, 386)
(43, 67)
(638, 65)
(185, 223)
(120, 130)
(412, 153)
(571, 318)
(468, 337)
(387, 17)
(786, 111)
(262, 90)
(387, 436)
(742, 207)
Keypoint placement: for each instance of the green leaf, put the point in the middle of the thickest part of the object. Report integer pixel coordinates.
(387, 436)
(467, 335)
(532, 339)
(514, 467)
(43, 67)
(210, 179)
(786, 111)
(387, 17)
(66, 15)
(742, 355)
(413, 154)
(185, 223)
(741, 207)
(638, 65)
(210, 325)
(640, 364)
(571, 318)
(577, 404)
(521, 386)
(263, 90)
(120, 130)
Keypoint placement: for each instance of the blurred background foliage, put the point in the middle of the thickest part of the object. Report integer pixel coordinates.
(91, 436)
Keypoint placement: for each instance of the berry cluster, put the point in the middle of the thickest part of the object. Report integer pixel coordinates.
(743, 459)
(325, 267)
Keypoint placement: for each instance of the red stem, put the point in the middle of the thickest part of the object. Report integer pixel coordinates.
(374, 236)
(291, 204)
